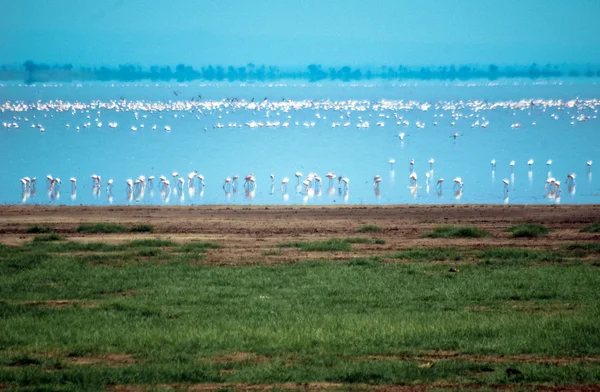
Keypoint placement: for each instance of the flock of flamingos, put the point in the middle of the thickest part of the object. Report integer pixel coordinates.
(308, 185)
(278, 114)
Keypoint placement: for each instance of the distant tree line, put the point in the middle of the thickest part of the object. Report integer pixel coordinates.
(32, 72)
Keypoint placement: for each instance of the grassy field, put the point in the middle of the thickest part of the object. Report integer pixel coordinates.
(96, 316)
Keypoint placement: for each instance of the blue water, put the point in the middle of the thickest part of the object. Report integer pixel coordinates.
(566, 132)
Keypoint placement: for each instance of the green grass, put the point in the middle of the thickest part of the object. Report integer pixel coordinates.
(522, 255)
(428, 254)
(316, 321)
(149, 242)
(369, 229)
(529, 230)
(586, 248)
(113, 228)
(36, 229)
(593, 228)
(331, 245)
(456, 232)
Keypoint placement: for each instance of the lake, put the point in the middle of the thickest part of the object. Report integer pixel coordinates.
(123, 131)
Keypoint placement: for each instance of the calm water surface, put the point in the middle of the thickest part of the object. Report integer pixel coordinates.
(217, 130)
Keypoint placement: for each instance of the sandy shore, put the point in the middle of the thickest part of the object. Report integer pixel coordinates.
(250, 233)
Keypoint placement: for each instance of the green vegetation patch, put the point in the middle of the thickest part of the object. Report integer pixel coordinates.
(72, 323)
(101, 228)
(593, 228)
(456, 232)
(142, 229)
(48, 238)
(585, 248)
(39, 229)
(528, 230)
(369, 229)
(521, 255)
(428, 254)
(150, 243)
(331, 245)
(198, 246)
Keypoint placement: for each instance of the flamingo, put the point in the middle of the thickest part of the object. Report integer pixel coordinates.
(512, 165)
(109, 185)
(234, 180)
(330, 176)
(570, 179)
(272, 178)
(284, 182)
(493, 163)
(249, 180)
(298, 175)
(530, 163)
(181, 181)
(413, 178)
(376, 181)
(458, 181)
(439, 183)
(549, 163)
(402, 135)
(506, 183)
(150, 180)
(431, 161)
(391, 162)
(201, 178)
(129, 183)
(73, 182)
(191, 177)
(175, 175)
(317, 182)
(346, 182)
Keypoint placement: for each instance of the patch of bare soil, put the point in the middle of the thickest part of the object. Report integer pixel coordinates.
(432, 356)
(240, 357)
(324, 386)
(111, 360)
(57, 303)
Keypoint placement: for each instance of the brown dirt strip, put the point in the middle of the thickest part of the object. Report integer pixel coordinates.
(250, 235)
(451, 355)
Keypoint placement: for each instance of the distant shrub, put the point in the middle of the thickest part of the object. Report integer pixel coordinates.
(529, 230)
(457, 232)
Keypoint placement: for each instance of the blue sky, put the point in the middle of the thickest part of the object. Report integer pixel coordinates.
(297, 33)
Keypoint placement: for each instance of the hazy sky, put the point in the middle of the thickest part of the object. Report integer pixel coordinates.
(288, 33)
